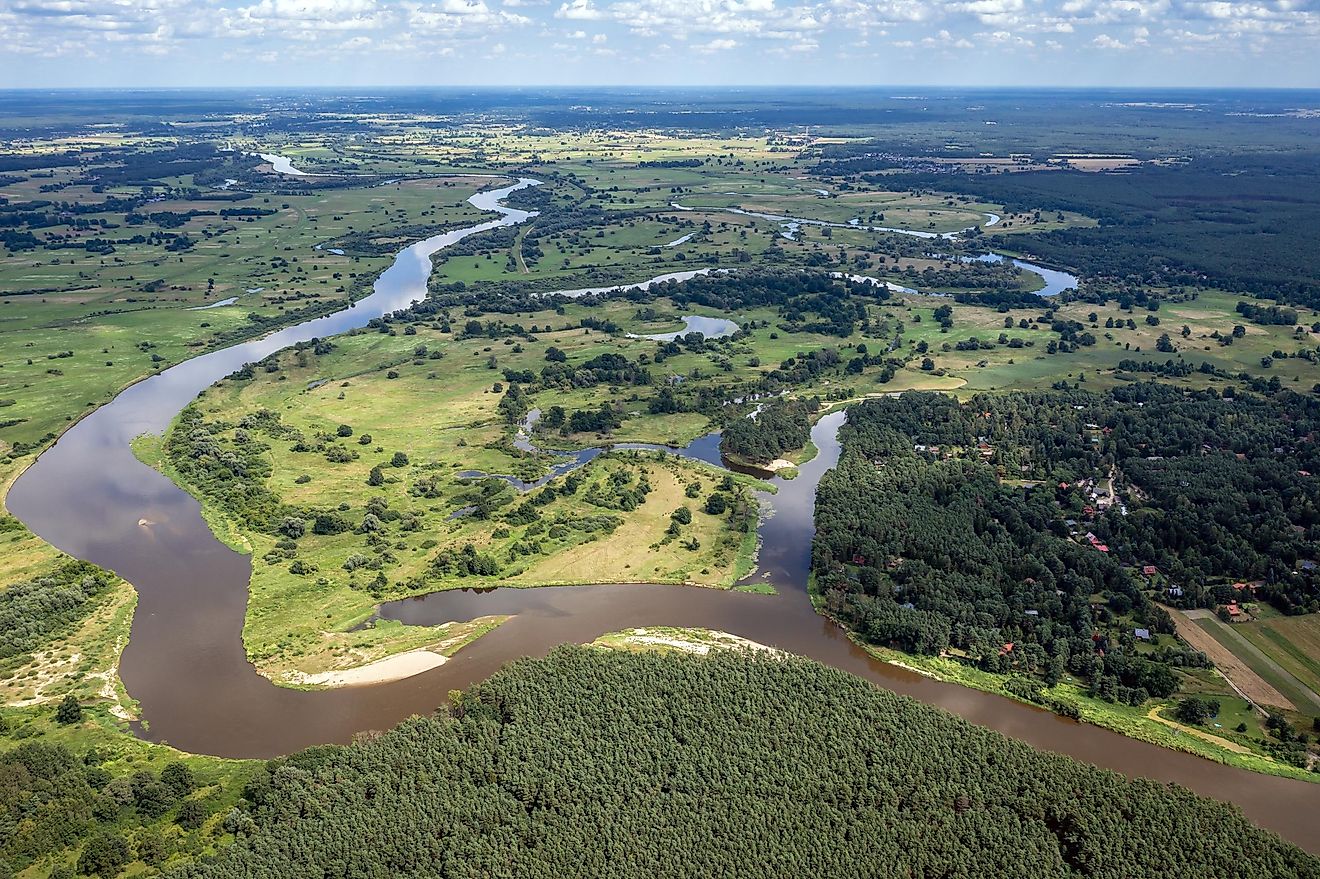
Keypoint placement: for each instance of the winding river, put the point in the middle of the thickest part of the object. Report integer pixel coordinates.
(1055, 281)
(789, 226)
(185, 662)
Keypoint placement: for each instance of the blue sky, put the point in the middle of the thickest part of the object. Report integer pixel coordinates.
(659, 42)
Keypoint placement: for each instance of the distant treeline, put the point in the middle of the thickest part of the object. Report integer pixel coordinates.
(38, 160)
(672, 163)
(1245, 222)
(134, 167)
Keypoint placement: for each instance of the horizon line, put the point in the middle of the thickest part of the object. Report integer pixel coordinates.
(800, 87)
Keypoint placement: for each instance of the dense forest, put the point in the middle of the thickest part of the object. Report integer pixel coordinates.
(989, 526)
(621, 764)
(1163, 225)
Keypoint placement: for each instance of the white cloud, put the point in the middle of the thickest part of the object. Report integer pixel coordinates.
(943, 39)
(992, 11)
(578, 10)
(289, 32)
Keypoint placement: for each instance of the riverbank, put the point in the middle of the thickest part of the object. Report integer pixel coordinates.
(1116, 717)
(1145, 723)
(684, 640)
(304, 619)
(783, 468)
(305, 609)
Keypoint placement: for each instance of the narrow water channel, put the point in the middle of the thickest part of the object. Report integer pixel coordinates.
(185, 662)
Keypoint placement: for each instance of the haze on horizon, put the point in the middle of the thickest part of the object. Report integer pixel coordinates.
(173, 43)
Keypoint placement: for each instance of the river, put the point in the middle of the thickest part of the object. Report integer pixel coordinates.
(1055, 281)
(709, 327)
(185, 663)
(284, 165)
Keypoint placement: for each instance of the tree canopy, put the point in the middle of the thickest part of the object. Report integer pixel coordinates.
(733, 764)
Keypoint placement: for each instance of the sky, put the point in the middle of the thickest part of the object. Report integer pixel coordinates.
(78, 43)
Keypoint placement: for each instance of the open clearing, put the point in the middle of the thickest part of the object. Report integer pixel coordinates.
(1292, 689)
(1155, 715)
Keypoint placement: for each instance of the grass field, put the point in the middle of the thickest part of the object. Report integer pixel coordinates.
(380, 387)
(74, 329)
(1205, 633)
(1006, 368)
(1294, 644)
(1262, 664)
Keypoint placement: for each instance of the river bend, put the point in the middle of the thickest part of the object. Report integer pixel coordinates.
(186, 666)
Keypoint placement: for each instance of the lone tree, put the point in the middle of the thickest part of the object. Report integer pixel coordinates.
(70, 710)
(178, 778)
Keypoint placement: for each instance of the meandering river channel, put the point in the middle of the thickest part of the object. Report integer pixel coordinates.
(185, 662)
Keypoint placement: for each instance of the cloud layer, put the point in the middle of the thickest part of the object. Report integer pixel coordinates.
(1047, 42)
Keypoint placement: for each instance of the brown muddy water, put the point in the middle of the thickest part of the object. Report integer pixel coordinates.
(186, 666)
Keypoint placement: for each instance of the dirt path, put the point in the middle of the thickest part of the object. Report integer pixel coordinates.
(1154, 715)
(518, 251)
(1251, 685)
